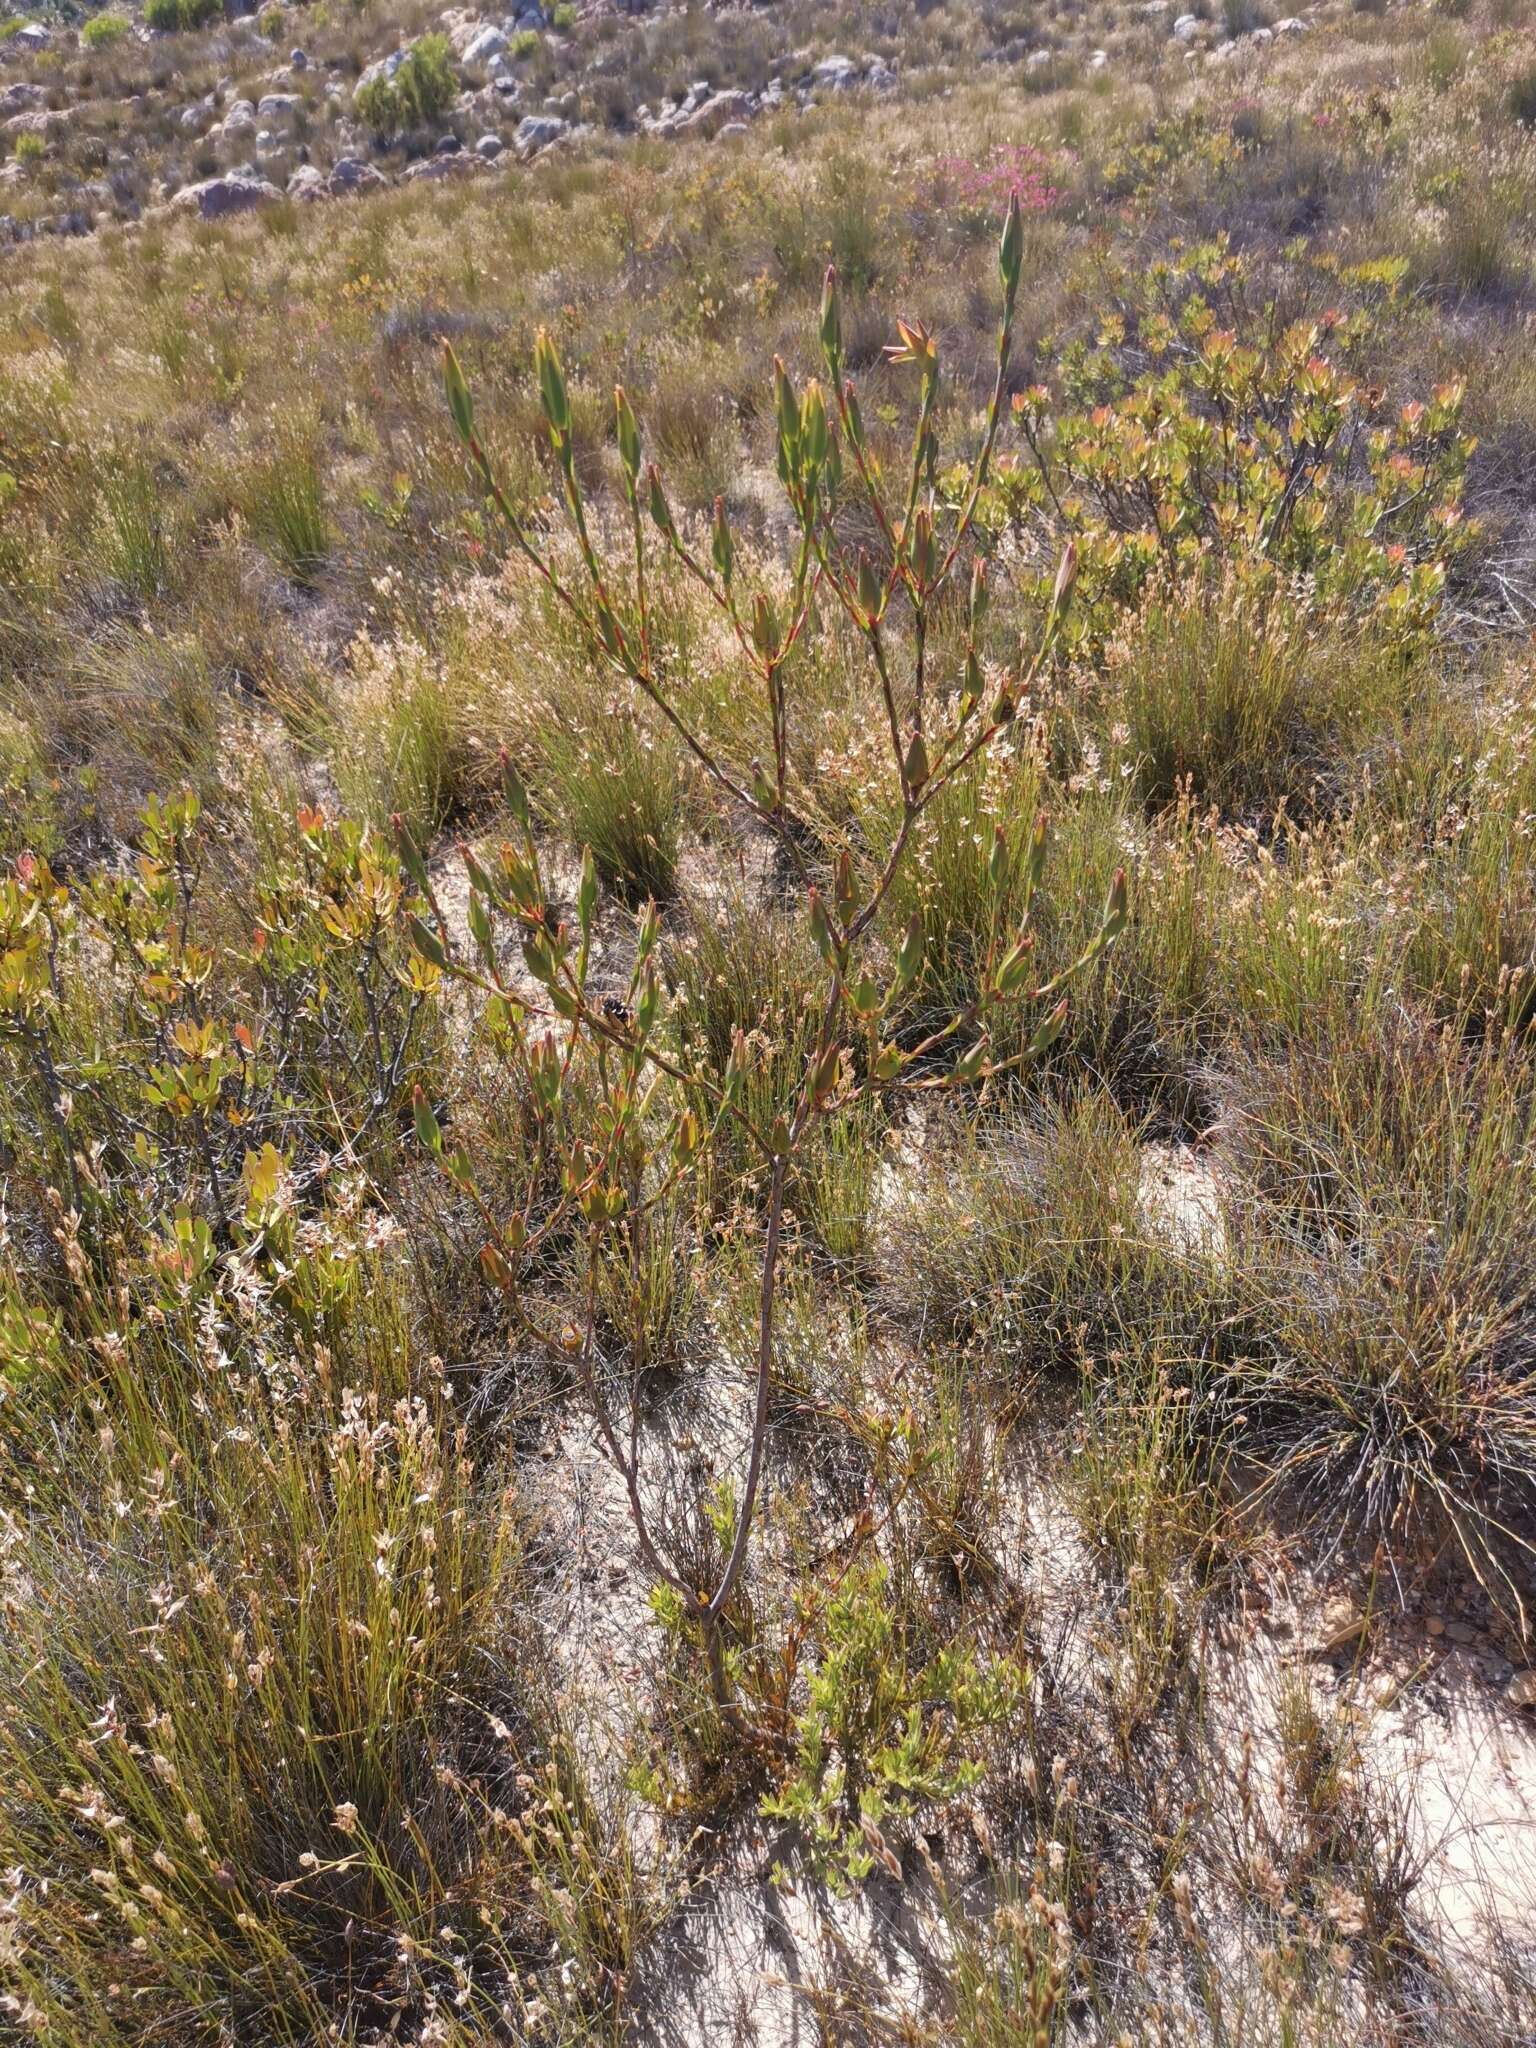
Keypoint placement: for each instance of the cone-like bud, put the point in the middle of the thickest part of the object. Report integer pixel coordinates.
(512, 789)
(459, 402)
(981, 595)
(868, 589)
(722, 546)
(410, 855)
(821, 928)
(969, 1066)
(845, 901)
(1048, 1030)
(1010, 251)
(1035, 863)
(552, 392)
(765, 629)
(427, 1131)
(813, 425)
(629, 440)
(1116, 908)
(909, 954)
(997, 861)
(831, 326)
(661, 511)
(1016, 965)
(427, 943)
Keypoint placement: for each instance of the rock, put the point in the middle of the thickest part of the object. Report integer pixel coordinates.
(714, 112)
(447, 145)
(1186, 28)
(277, 106)
(41, 121)
(1462, 1632)
(349, 174)
(538, 131)
(1098, 60)
(1340, 1628)
(298, 59)
(1293, 25)
(1037, 60)
(434, 167)
(217, 198)
(489, 147)
(835, 74)
(879, 76)
(1434, 1626)
(18, 97)
(308, 183)
(33, 37)
(488, 43)
(731, 130)
(381, 67)
(239, 119)
(1521, 1690)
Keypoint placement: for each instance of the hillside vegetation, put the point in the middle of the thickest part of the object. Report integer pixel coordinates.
(768, 1026)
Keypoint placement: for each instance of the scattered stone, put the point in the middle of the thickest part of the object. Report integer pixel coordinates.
(489, 147)
(433, 168)
(1186, 28)
(447, 145)
(217, 198)
(308, 183)
(382, 67)
(713, 113)
(1434, 1626)
(538, 131)
(298, 59)
(488, 43)
(33, 37)
(1293, 25)
(1521, 1690)
(836, 74)
(1340, 1628)
(277, 106)
(350, 175)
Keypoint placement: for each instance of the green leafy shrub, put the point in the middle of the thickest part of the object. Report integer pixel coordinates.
(180, 14)
(422, 88)
(890, 1727)
(104, 29)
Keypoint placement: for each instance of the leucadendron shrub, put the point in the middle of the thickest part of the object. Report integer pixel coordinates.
(660, 1099)
(1201, 430)
(153, 1059)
